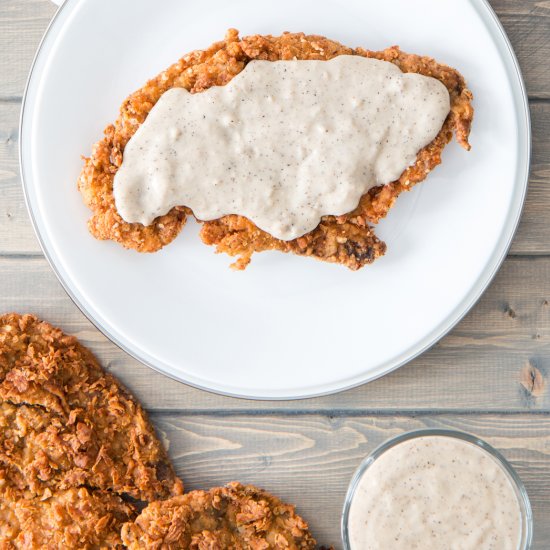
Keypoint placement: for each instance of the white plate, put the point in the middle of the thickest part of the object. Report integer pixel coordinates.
(287, 327)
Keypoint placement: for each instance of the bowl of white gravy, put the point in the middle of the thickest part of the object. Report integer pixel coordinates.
(436, 489)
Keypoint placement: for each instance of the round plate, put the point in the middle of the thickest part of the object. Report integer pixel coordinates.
(287, 327)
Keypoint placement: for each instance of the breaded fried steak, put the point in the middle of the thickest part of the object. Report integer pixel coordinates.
(236, 517)
(75, 518)
(346, 239)
(65, 422)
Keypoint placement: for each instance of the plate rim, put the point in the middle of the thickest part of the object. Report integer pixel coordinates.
(519, 92)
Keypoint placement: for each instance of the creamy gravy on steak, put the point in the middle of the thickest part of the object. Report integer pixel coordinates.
(283, 143)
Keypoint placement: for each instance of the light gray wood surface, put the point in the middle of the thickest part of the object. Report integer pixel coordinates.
(489, 376)
(309, 459)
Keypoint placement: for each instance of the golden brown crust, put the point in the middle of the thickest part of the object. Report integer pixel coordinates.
(234, 517)
(351, 243)
(348, 239)
(76, 518)
(65, 422)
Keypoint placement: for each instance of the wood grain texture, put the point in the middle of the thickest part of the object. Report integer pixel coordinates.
(533, 235)
(22, 24)
(479, 366)
(527, 24)
(309, 460)
(16, 233)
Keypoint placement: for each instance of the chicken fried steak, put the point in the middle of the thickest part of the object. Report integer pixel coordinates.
(240, 517)
(65, 422)
(348, 239)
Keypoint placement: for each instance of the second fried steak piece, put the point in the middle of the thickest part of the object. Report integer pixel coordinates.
(75, 518)
(65, 422)
(232, 517)
(345, 239)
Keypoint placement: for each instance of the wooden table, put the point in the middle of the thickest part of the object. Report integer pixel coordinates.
(489, 376)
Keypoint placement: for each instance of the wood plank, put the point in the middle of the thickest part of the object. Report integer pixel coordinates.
(24, 21)
(309, 460)
(16, 233)
(496, 359)
(17, 236)
(533, 236)
(527, 24)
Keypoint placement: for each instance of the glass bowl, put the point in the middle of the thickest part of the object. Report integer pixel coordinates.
(517, 484)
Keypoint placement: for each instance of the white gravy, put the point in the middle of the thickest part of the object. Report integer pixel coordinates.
(434, 493)
(283, 143)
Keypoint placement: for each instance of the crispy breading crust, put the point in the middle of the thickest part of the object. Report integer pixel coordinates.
(232, 517)
(76, 518)
(71, 439)
(347, 239)
(65, 422)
